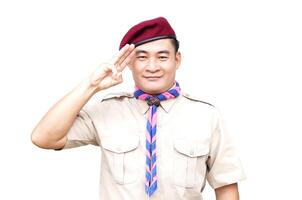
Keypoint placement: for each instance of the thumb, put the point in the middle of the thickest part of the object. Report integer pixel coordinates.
(100, 73)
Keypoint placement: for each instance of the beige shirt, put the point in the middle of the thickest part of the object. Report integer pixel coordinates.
(192, 147)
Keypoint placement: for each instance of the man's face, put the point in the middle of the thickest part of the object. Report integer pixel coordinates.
(154, 66)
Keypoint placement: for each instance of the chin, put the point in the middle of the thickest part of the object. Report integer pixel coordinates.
(153, 86)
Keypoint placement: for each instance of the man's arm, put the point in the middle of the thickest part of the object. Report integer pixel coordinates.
(228, 192)
(51, 131)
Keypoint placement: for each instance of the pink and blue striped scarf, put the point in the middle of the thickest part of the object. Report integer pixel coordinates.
(153, 101)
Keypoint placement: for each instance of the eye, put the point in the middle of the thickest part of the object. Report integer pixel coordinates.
(141, 57)
(163, 58)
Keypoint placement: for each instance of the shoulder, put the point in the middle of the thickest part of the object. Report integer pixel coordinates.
(117, 96)
(195, 98)
(110, 102)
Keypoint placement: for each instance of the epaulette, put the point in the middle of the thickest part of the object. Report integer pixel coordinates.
(195, 98)
(117, 95)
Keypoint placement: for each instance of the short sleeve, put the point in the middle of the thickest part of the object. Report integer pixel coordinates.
(82, 132)
(224, 165)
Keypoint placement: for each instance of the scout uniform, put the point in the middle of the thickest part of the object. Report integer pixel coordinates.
(192, 145)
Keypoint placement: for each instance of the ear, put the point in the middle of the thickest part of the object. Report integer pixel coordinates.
(178, 59)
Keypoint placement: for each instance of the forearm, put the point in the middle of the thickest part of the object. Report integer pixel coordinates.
(51, 131)
(228, 192)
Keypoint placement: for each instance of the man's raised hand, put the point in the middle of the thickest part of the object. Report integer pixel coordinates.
(110, 74)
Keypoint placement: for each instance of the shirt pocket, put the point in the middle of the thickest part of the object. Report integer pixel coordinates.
(189, 163)
(121, 156)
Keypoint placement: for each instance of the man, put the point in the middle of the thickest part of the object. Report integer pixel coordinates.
(157, 143)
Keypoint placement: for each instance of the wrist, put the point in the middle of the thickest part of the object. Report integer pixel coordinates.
(88, 88)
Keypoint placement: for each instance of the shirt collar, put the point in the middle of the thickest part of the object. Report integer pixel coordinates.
(168, 104)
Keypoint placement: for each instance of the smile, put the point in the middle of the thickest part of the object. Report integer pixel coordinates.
(152, 78)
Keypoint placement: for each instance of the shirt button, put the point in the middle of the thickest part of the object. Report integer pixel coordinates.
(192, 152)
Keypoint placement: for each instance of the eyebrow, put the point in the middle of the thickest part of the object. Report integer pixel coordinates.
(146, 52)
(140, 51)
(164, 51)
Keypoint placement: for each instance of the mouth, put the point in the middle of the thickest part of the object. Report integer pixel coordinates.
(152, 78)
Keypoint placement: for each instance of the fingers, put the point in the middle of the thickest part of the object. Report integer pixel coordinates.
(120, 54)
(100, 73)
(125, 55)
(114, 68)
(117, 79)
(126, 61)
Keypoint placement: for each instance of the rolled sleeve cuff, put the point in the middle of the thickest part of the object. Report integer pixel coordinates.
(227, 177)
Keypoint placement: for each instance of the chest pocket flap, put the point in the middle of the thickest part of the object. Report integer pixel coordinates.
(120, 144)
(190, 148)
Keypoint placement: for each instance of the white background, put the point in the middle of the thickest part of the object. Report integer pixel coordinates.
(242, 56)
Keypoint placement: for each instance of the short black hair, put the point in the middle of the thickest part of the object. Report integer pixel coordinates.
(175, 44)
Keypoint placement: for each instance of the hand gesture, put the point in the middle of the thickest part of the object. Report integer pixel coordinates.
(110, 74)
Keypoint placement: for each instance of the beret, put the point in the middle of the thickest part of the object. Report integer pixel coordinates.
(148, 31)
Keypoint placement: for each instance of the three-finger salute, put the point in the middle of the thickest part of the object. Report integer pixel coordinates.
(110, 74)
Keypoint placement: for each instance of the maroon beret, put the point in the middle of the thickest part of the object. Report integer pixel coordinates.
(148, 31)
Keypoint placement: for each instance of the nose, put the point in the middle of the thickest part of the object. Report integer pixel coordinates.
(152, 66)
